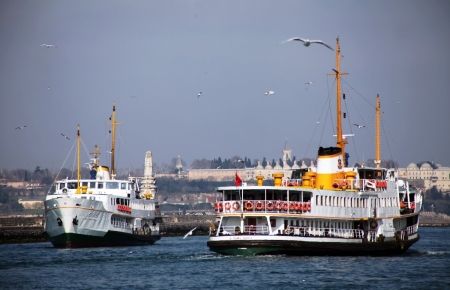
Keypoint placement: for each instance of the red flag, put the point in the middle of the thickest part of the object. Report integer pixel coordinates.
(237, 180)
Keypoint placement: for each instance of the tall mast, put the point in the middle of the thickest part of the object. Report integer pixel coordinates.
(340, 141)
(78, 160)
(113, 141)
(377, 133)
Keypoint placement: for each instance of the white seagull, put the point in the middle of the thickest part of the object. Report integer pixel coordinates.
(359, 126)
(269, 93)
(47, 45)
(189, 233)
(199, 94)
(65, 136)
(308, 42)
(20, 127)
(309, 83)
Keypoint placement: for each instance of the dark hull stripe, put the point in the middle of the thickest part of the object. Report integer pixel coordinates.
(111, 239)
(309, 248)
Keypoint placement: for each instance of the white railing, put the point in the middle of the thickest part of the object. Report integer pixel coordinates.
(294, 231)
(324, 232)
(411, 230)
(248, 230)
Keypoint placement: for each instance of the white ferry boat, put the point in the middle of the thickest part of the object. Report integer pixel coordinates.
(330, 210)
(102, 211)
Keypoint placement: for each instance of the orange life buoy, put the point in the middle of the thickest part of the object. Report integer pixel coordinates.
(259, 205)
(285, 206)
(292, 205)
(269, 205)
(279, 205)
(236, 205)
(227, 205)
(308, 206)
(248, 205)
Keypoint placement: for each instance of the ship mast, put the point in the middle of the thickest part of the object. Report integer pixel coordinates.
(113, 141)
(340, 141)
(377, 160)
(78, 160)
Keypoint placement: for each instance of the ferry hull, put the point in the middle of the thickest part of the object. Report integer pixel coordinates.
(311, 247)
(110, 239)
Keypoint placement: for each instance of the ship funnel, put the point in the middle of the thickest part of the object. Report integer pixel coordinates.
(329, 167)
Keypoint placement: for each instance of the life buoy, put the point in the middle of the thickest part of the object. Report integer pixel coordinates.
(64, 190)
(335, 185)
(269, 205)
(344, 185)
(259, 205)
(227, 206)
(220, 206)
(279, 205)
(297, 206)
(236, 205)
(308, 206)
(248, 205)
(285, 206)
(292, 205)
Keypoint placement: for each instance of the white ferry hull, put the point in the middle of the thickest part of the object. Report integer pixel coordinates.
(74, 223)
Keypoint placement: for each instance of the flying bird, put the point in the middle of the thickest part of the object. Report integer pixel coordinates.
(47, 45)
(189, 233)
(269, 93)
(65, 136)
(20, 127)
(309, 83)
(307, 42)
(359, 126)
(199, 94)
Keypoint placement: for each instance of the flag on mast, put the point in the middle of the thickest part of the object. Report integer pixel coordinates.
(237, 180)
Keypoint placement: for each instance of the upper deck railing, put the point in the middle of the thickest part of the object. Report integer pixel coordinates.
(272, 206)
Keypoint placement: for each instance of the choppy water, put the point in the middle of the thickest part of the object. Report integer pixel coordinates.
(174, 263)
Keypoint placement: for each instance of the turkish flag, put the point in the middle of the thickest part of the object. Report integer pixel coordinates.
(237, 180)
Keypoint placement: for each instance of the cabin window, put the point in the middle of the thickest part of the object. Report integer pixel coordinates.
(62, 185)
(112, 185)
(72, 185)
(100, 185)
(84, 184)
(91, 184)
(123, 186)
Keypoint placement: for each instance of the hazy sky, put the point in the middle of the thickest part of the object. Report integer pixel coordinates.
(151, 58)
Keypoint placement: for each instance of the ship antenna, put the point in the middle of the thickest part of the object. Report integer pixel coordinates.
(113, 141)
(78, 160)
(377, 160)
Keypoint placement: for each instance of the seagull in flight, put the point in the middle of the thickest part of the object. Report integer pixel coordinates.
(307, 42)
(199, 94)
(269, 93)
(20, 127)
(65, 136)
(308, 83)
(189, 233)
(48, 45)
(359, 126)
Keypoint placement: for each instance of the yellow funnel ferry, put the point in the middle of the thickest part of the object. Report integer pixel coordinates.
(332, 209)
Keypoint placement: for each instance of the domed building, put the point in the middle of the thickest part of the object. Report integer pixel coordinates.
(427, 174)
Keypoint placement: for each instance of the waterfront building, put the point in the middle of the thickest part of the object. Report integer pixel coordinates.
(427, 175)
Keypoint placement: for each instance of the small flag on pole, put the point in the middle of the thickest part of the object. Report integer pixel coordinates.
(237, 180)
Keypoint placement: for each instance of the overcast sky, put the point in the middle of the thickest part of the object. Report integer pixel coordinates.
(151, 58)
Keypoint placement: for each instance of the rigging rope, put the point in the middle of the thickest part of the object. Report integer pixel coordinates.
(62, 166)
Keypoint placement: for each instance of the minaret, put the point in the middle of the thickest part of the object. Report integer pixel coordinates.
(179, 166)
(148, 182)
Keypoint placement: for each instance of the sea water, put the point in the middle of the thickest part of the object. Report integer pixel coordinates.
(177, 263)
